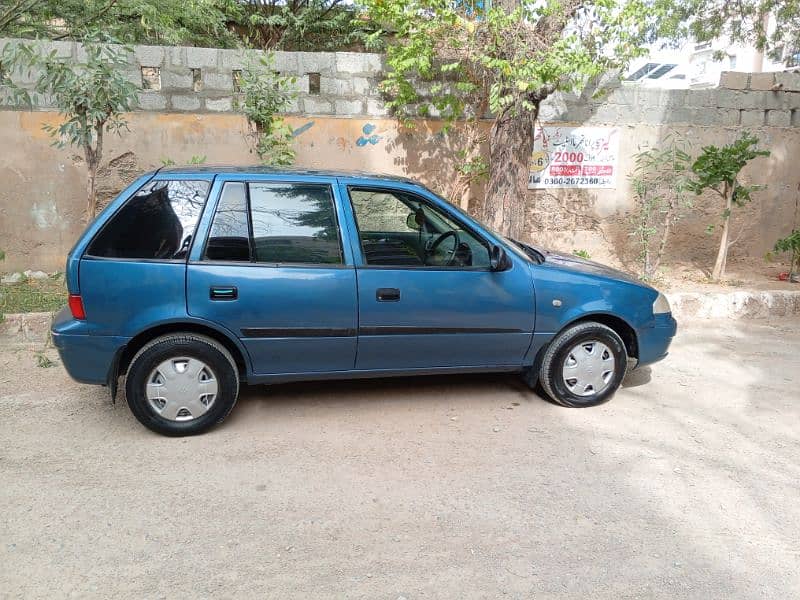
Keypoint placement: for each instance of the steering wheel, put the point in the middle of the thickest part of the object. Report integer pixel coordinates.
(431, 248)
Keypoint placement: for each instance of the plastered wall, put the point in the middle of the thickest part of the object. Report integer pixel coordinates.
(344, 125)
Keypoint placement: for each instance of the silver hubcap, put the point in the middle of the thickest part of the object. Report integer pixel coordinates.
(181, 389)
(588, 368)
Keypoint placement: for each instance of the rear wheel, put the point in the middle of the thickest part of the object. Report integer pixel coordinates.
(182, 384)
(584, 365)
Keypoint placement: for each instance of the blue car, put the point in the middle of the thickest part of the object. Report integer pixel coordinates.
(196, 280)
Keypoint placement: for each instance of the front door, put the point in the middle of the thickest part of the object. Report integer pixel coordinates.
(273, 271)
(427, 297)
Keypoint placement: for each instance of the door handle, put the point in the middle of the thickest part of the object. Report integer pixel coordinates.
(387, 295)
(223, 293)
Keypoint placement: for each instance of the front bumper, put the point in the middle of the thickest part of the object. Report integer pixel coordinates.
(654, 341)
(87, 358)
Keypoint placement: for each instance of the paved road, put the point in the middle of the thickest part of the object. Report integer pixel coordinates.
(684, 486)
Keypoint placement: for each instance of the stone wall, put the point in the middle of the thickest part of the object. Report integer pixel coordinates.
(186, 108)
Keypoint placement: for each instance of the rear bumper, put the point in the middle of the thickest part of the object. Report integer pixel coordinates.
(654, 341)
(87, 358)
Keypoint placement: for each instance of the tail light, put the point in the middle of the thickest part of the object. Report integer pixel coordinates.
(76, 307)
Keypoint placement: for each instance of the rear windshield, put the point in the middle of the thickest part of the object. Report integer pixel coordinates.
(157, 222)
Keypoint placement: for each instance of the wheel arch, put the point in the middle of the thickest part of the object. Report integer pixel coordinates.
(620, 326)
(138, 341)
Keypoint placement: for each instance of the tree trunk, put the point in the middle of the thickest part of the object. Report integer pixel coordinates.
(465, 173)
(510, 147)
(722, 255)
(93, 156)
(662, 247)
(91, 191)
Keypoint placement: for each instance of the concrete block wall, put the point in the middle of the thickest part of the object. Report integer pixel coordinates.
(742, 99)
(201, 80)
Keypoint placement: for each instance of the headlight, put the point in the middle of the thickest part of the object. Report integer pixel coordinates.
(661, 305)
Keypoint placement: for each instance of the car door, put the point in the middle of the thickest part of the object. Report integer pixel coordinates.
(416, 312)
(274, 271)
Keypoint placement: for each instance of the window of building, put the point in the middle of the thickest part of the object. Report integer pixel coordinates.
(641, 72)
(661, 71)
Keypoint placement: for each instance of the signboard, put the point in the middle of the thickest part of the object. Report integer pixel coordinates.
(574, 157)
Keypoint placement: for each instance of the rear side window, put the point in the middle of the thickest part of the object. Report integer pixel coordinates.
(158, 222)
(275, 223)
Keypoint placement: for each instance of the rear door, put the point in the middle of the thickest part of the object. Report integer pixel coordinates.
(274, 270)
(132, 273)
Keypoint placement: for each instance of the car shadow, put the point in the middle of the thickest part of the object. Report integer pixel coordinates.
(444, 392)
(637, 377)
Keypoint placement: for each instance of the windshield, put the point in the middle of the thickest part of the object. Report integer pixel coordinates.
(524, 251)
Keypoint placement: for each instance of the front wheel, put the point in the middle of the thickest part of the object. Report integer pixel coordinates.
(182, 384)
(584, 365)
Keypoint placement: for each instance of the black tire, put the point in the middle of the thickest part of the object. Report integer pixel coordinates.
(190, 345)
(551, 372)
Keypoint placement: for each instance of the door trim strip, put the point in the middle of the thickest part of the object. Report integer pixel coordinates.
(390, 330)
(283, 332)
(288, 332)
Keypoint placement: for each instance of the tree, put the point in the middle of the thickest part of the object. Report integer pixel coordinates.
(16, 14)
(466, 61)
(92, 97)
(790, 244)
(718, 169)
(301, 24)
(660, 184)
(197, 22)
(745, 22)
(266, 94)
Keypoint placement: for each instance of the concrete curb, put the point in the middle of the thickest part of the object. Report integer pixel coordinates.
(26, 329)
(734, 305)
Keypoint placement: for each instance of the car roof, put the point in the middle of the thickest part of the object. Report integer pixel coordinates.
(262, 170)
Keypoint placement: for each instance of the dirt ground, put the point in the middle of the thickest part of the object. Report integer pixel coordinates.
(741, 274)
(685, 485)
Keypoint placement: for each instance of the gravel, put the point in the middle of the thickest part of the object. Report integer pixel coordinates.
(685, 485)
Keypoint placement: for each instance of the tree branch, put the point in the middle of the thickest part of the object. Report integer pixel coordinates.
(88, 20)
(15, 11)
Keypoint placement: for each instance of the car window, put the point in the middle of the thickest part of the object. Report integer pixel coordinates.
(397, 228)
(294, 223)
(229, 238)
(286, 223)
(157, 222)
(380, 211)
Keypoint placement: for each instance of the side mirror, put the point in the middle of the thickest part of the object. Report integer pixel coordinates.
(498, 260)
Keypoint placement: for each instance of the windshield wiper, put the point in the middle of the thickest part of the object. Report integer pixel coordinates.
(529, 250)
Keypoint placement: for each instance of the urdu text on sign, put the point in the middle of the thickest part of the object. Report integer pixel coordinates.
(574, 157)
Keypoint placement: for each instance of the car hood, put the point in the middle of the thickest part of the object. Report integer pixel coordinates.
(581, 265)
(569, 262)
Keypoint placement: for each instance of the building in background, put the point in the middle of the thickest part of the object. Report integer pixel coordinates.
(699, 65)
